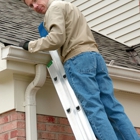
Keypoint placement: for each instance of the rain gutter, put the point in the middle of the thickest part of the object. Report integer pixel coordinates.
(124, 73)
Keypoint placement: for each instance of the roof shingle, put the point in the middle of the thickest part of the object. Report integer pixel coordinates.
(18, 22)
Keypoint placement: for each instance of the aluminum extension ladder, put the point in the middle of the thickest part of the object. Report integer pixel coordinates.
(73, 110)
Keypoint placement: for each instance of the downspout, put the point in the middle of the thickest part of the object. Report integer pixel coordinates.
(30, 101)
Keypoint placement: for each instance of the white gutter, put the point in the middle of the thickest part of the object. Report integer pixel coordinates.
(125, 79)
(124, 73)
(30, 101)
(13, 53)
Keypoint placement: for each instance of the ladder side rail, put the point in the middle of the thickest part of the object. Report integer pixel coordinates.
(82, 116)
(65, 101)
(57, 83)
(60, 68)
(83, 121)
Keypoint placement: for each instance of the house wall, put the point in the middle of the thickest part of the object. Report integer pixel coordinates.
(131, 104)
(12, 127)
(7, 101)
(48, 102)
(47, 99)
(52, 122)
(116, 19)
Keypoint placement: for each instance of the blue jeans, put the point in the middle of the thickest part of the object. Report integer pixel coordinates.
(88, 76)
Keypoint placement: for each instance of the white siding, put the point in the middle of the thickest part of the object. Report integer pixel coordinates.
(116, 19)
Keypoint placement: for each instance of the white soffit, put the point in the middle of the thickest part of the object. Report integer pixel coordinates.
(116, 19)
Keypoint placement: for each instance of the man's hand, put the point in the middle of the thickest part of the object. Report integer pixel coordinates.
(24, 45)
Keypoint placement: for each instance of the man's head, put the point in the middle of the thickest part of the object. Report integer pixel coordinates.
(40, 6)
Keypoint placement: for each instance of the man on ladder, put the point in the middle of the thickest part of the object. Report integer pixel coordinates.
(84, 66)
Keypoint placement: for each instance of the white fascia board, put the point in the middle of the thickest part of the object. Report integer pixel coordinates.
(125, 79)
(18, 54)
(124, 73)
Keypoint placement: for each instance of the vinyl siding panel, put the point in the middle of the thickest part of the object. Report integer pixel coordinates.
(116, 19)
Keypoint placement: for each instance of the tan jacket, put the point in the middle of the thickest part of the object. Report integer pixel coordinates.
(68, 31)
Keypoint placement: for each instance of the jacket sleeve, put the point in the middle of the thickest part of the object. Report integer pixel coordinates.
(54, 22)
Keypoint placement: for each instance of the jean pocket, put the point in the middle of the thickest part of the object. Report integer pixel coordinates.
(85, 62)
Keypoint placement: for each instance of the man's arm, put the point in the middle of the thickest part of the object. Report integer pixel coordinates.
(54, 21)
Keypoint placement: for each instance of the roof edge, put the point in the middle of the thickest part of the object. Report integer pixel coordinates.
(18, 54)
(124, 73)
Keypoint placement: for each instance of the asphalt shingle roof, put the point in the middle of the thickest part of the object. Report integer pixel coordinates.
(18, 22)
(112, 50)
